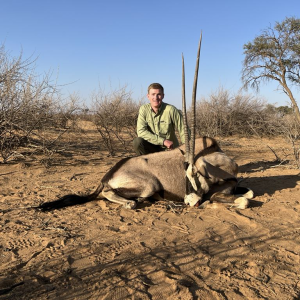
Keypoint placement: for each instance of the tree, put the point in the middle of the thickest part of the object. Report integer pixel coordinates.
(275, 55)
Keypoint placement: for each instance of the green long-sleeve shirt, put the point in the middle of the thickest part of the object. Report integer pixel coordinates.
(157, 127)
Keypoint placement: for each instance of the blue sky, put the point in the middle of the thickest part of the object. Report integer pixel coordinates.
(129, 42)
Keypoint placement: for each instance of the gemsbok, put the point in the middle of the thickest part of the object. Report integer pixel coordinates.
(193, 172)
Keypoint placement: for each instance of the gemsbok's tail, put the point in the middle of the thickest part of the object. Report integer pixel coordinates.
(70, 200)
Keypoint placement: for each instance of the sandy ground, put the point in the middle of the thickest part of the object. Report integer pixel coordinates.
(100, 250)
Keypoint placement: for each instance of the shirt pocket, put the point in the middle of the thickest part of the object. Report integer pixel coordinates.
(150, 123)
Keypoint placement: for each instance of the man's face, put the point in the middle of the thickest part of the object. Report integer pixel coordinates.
(155, 96)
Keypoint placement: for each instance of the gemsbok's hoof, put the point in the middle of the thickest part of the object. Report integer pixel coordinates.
(130, 204)
(241, 203)
(249, 194)
(244, 192)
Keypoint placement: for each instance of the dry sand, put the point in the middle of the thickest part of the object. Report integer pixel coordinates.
(100, 250)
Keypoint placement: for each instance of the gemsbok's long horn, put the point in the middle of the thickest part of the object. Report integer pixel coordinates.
(185, 124)
(191, 185)
(193, 117)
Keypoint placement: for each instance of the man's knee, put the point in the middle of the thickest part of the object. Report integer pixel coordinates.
(142, 147)
(138, 145)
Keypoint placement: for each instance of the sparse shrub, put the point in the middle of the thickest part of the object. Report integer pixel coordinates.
(290, 130)
(115, 117)
(29, 105)
(223, 114)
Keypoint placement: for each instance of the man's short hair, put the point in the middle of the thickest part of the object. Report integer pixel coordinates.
(156, 86)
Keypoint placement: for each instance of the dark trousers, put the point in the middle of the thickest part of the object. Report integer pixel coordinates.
(142, 147)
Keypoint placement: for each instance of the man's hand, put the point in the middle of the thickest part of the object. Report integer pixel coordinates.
(168, 144)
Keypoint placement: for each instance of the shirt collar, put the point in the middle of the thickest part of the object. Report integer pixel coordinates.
(160, 108)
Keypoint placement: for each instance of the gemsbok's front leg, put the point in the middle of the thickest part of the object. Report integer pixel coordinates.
(235, 201)
(239, 200)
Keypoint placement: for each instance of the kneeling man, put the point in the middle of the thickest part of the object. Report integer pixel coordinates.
(156, 124)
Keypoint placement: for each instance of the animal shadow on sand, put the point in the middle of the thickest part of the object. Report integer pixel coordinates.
(262, 185)
(253, 167)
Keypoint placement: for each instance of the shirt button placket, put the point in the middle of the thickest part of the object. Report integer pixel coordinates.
(156, 126)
